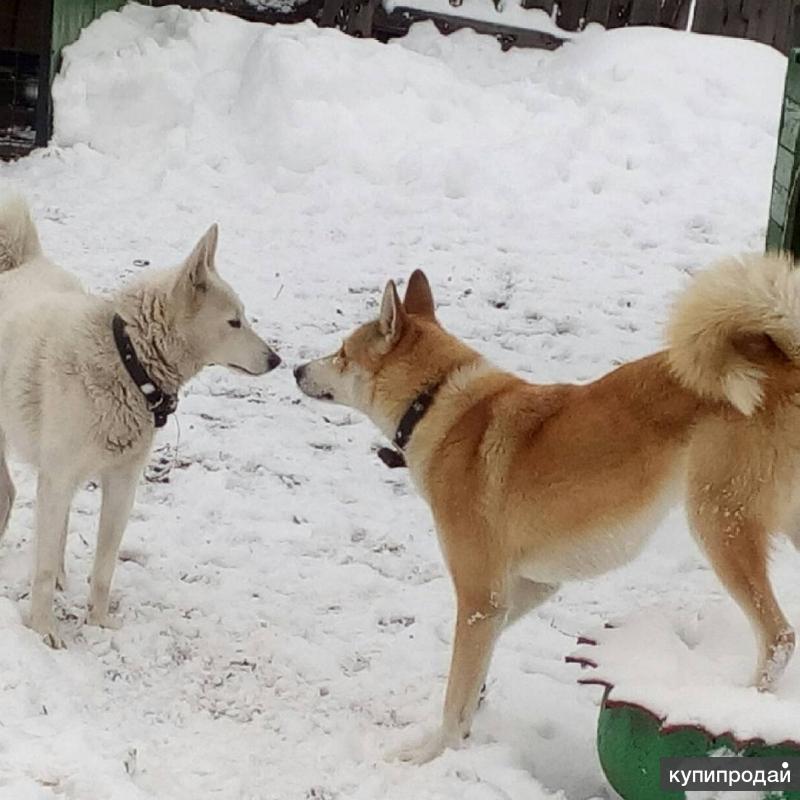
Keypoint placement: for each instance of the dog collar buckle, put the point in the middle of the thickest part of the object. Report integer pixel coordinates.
(393, 459)
(162, 407)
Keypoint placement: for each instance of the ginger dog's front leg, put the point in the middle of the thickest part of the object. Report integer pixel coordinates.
(481, 617)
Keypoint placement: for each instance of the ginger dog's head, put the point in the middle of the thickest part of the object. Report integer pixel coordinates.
(383, 365)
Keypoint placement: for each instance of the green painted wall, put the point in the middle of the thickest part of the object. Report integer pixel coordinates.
(783, 228)
(69, 18)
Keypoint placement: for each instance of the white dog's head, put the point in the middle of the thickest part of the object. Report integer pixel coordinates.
(211, 317)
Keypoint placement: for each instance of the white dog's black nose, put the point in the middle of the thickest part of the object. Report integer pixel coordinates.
(273, 360)
(299, 372)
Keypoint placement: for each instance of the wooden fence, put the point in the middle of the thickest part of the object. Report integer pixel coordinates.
(772, 22)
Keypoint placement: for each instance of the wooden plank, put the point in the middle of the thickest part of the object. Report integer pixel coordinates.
(784, 167)
(774, 235)
(675, 14)
(764, 28)
(735, 23)
(331, 12)
(361, 18)
(779, 204)
(544, 5)
(44, 98)
(709, 16)
(597, 11)
(571, 14)
(619, 13)
(783, 30)
(645, 12)
(69, 18)
(243, 9)
(794, 26)
(398, 22)
(753, 11)
(101, 6)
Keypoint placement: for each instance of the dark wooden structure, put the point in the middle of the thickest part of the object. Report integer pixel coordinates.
(32, 34)
(270, 12)
(773, 22)
(569, 15)
(24, 75)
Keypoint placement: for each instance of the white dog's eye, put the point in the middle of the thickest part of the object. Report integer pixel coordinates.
(235, 323)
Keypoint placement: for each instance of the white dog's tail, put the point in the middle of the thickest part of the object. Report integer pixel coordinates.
(735, 332)
(19, 241)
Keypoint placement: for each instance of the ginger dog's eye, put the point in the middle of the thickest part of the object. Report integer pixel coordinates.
(235, 323)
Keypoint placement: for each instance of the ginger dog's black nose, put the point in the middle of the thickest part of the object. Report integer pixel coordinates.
(299, 372)
(273, 360)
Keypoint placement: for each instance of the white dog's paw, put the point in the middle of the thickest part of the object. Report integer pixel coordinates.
(48, 630)
(103, 620)
(425, 749)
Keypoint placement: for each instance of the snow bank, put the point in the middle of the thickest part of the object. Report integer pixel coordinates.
(287, 616)
(572, 139)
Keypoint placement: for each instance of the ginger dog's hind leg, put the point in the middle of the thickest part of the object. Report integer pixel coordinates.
(738, 548)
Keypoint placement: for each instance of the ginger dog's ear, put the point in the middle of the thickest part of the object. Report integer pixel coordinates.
(419, 297)
(392, 316)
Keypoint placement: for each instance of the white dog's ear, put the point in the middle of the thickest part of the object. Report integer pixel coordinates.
(419, 297)
(200, 264)
(390, 322)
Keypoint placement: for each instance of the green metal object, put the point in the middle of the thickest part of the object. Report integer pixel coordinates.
(631, 741)
(70, 17)
(783, 228)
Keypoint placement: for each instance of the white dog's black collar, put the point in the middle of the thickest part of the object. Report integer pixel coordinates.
(160, 404)
(393, 456)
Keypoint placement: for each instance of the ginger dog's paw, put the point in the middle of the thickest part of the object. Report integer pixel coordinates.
(423, 750)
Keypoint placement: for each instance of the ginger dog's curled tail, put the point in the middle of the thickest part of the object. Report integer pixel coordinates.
(19, 241)
(735, 332)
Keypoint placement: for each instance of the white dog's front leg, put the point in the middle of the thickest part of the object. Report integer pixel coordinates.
(119, 490)
(53, 498)
(61, 572)
(7, 492)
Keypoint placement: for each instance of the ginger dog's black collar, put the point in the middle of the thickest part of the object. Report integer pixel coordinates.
(160, 404)
(393, 456)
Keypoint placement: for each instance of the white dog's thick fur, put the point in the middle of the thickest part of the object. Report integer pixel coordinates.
(67, 404)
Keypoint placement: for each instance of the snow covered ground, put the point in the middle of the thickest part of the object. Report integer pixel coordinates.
(286, 611)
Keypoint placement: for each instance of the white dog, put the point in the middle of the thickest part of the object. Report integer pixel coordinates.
(84, 382)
